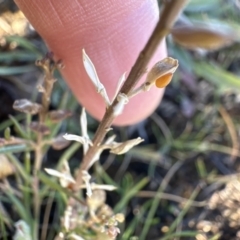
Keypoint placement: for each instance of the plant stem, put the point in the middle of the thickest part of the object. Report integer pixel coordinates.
(37, 202)
(171, 10)
(48, 66)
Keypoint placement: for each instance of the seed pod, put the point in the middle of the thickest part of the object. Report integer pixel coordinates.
(164, 80)
(205, 37)
(162, 72)
(59, 115)
(26, 106)
(39, 128)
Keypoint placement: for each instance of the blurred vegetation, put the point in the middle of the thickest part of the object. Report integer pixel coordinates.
(182, 183)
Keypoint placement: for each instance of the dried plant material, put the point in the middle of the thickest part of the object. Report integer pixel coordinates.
(204, 37)
(86, 178)
(121, 148)
(59, 142)
(83, 124)
(120, 83)
(119, 217)
(101, 148)
(6, 168)
(67, 218)
(113, 232)
(224, 204)
(97, 154)
(39, 128)
(13, 24)
(160, 75)
(22, 231)
(26, 106)
(161, 70)
(110, 139)
(97, 199)
(122, 101)
(106, 187)
(41, 89)
(82, 140)
(91, 71)
(59, 115)
(65, 177)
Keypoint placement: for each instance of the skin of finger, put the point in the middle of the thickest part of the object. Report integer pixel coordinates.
(112, 33)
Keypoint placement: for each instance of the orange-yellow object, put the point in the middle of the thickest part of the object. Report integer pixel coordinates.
(164, 80)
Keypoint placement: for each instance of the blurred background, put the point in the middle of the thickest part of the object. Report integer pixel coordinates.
(186, 173)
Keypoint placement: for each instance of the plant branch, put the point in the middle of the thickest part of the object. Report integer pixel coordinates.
(48, 66)
(171, 10)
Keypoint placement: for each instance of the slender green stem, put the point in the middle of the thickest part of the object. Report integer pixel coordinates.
(156, 199)
(184, 211)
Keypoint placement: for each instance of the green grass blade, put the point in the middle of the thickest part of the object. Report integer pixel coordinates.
(14, 148)
(130, 194)
(202, 5)
(19, 166)
(7, 71)
(68, 153)
(184, 211)
(16, 203)
(180, 234)
(24, 43)
(221, 78)
(19, 128)
(9, 122)
(17, 55)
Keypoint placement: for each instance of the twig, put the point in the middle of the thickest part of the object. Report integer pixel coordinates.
(47, 215)
(169, 15)
(48, 66)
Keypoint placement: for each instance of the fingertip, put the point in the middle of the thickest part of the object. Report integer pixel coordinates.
(112, 32)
